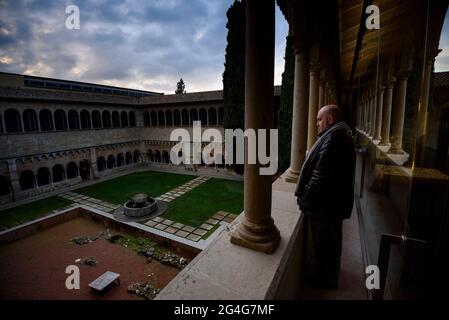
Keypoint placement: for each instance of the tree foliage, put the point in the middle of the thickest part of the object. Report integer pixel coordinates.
(180, 87)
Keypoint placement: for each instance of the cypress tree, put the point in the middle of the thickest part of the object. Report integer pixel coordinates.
(285, 112)
(180, 87)
(234, 72)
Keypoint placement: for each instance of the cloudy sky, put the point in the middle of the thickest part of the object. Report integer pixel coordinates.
(138, 44)
(133, 43)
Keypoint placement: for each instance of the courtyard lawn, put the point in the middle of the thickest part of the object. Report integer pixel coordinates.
(119, 190)
(201, 203)
(30, 211)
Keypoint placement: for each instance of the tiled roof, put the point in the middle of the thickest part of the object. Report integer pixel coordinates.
(183, 98)
(441, 79)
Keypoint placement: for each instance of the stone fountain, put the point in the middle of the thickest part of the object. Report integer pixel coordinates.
(140, 207)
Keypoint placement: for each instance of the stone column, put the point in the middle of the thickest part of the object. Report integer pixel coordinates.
(313, 104)
(386, 114)
(397, 121)
(3, 123)
(15, 181)
(35, 184)
(93, 163)
(256, 229)
(321, 95)
(379, 111)
(300, 112)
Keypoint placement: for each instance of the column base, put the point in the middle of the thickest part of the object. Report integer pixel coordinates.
(263, 237)
(396, 151)
(384, 143)
(291, 176)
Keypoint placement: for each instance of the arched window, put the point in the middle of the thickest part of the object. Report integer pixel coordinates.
(150, 155)
(85, 119)
(203, 117)
(146, 119)
(168, 118)
(26, 180)
(165, 157)
(111, 162)
(157, 156)
(124, 118)
(96, 119)
(29, 120)
(153, 118)
(84, 169)
(132, 119)
(177, 117)
(58, 173)
(185, 117)
(60, 120)
(72, 170)
(106, 117)
(128, 158)
(220, 116)
(161, 118)
(212, 117)
(101, 164)
(43, 176)
(73, 120)
(12, 121)
(120, 160)
(193, 116)
(115, 119)
(4, 186)
(45, 119)
(136, 156)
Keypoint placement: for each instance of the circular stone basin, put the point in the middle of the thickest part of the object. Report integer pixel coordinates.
(140, 205)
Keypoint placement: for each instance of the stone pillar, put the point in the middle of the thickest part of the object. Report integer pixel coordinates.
(50, 177)
(256, 229)
(300, 113)
(397, 121)
(93, 163)
(35, 184)
(313, 105)
(379, 111)
(386, 114)
(321, 95)
(3, 123)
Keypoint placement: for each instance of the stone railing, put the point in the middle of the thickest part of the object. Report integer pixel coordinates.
(227, 271)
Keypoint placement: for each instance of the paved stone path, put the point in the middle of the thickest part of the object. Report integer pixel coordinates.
(165, 225)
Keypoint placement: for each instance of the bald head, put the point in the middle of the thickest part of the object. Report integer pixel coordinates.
(327, 116)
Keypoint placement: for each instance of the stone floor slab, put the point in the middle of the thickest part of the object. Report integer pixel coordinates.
(194, 237)
(181, 233)
(188, 228)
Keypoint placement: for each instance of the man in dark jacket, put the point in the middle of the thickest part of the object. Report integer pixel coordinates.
(325, 192)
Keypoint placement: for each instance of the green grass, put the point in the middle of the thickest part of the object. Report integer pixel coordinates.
(30, 211)
(201, 203)
(119, 190)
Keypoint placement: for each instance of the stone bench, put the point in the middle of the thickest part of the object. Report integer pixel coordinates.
(103, 281)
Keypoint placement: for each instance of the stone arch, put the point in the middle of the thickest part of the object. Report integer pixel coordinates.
(177, 118)
(165, 157)
(203, 117)
(111, 162)
(12, 121)
(220, 116)
(136, 155)
(157, 156)
(30, 120)
(153, 118)
(115, 119)
(58, 173)
(120, 160)
(84, 169)
(146, 119)
(96, 119)
(128, 158)
(26, 180)
(72, 170)
(132, 119)
(193, 115)
(60, 120)
(43, 176)
(168, 118)
(212, 117)
(85, 119)
(124, 119)
(45, 120)
(106, 119)
(101, 164)
(161, 118)
(185, 117)
(4, 186)
(74, 122)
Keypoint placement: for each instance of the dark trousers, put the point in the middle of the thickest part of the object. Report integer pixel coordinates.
(327, 240)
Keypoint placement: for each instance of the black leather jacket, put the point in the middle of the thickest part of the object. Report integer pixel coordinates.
(326, 188)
